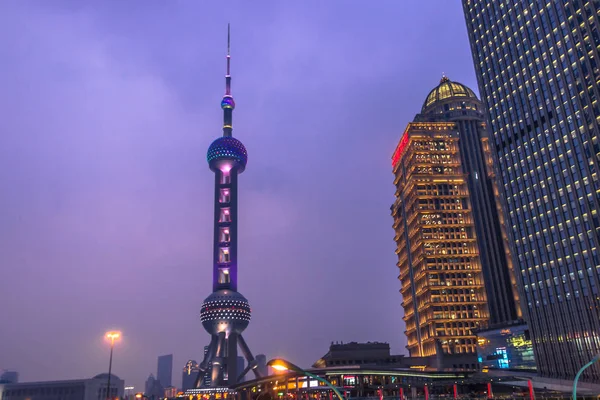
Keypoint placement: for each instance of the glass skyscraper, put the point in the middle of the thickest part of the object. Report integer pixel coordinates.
(538, 74)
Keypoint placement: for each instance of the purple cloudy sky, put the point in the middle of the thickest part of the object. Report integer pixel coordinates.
(108, 108)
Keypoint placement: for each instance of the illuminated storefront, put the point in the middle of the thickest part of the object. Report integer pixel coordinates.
(506, 348)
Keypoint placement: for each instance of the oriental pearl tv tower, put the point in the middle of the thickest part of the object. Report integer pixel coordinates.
(225, 313)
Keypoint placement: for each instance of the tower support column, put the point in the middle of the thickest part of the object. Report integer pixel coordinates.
(232, 371)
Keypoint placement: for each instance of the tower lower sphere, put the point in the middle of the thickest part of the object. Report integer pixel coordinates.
(225, 311)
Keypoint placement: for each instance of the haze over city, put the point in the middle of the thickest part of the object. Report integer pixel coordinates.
(106, 211)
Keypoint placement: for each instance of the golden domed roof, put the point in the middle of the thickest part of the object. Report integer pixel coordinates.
(447, 89)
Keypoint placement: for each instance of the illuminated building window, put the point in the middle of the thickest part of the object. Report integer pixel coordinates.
(224, 196)
(224, 255)
(225, 178)
(224, 276)
(224, 236)
(225, 215)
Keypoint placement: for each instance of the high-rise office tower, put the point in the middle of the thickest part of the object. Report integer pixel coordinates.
(164, 370)
(539, 78)
(455, 266)
(189, 375)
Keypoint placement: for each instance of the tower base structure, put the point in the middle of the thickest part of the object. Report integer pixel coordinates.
(225, 314)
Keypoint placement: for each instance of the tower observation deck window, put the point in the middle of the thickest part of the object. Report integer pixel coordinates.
(224, 196)
(224, 236)
(225, 178)
(224, 276)
(224, 255)
(225, 215)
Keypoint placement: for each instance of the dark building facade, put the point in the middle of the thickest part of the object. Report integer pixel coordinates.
(77, 389)
(261, 361)
(353, 353)
(189, 375)
(153, 389)
(9, 377)
(538, 75)
(378, 354)
(164, 370)
(455, 264)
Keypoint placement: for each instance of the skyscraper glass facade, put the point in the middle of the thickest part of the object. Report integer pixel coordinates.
(538, 74)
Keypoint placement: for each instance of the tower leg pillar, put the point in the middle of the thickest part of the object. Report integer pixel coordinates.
(232, 372)
(217, 374)
(252, 364)
(210, 354)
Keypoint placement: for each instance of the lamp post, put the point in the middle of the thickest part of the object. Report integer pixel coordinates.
(112, 336)
(282, 365)
(579, 374)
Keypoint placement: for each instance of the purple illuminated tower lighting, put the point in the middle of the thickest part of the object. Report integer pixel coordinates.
(226, 313)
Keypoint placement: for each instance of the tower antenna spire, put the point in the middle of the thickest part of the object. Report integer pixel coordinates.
(227, 104)
(228, 75)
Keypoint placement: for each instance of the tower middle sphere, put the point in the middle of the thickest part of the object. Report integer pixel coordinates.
(227, 151)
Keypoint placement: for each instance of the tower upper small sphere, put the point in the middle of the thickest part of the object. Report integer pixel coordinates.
(227, 103)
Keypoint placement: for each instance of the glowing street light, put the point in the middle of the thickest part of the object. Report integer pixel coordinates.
(597, 358)
(112, 336)
(280, 364)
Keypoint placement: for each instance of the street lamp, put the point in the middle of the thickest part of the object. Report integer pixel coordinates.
(112, 336)
(579, 374)
(282, 365)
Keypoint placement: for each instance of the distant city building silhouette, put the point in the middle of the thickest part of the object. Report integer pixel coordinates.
(164, 370)
(189, 375)
(75, 389)
(240, 366)
(207, 377)
(153, 388)
(9, 377)
(261, 361)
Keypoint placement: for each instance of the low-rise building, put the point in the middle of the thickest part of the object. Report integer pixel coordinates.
(379, 354)
(77, 389)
